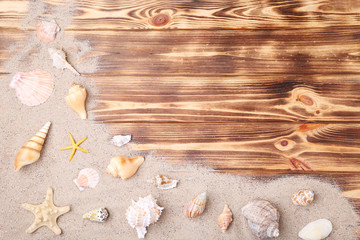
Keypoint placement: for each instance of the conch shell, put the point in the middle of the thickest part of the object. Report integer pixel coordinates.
(316, 230)
(30, 152)
(97, 215)
(162, 182)
(303, 197)
(46, 31)
(225, 218)
(263, 218)
(124, 167)
(143, 213)
(196, 206)
(76, 100)
(59, 60)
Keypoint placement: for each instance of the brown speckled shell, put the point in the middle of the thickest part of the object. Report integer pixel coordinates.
(303, 197)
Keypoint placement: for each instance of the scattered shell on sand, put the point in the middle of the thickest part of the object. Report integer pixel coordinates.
(196, 206)
(33, 88)
(76, 100)
(225, 218)
(143, 213)
(163, 182)
(88, 177)
(59, 60)
(46, 31)
(124, 167)
(263, 218)
(120, 140)
(303, 197)
(30, 152)
(316, 230)
(97, 215)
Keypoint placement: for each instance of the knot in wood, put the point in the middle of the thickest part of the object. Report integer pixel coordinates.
(159, 20)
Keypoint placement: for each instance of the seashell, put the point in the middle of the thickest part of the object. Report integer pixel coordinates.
(124, 167)
(30, 152)
(162, 182)
(143, 213)
(88, 177)
(76, 100)
(263, 218)
(120, 140)
(303, 197)
(196, 206)
(46, 31)
(59, 60)
(316, 230)
(225, 218)
(97, 215)
(34, 87)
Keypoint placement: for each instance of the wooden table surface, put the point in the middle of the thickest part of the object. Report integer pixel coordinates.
(256, 87)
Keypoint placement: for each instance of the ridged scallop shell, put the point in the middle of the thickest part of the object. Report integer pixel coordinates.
(316, 230)
(196, 206)
(225, 218)
(263, 218)
(34, 87)
(143, 213)
(124, 167)
(120, 140)
(30, 151)
(162, 182)
(88, 177)
(303, 197)
(97, 215)
(76, 100)
(46, 31)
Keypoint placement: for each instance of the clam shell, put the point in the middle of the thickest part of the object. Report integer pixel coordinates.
(225, 218)
(97, 215)
(162, 182)
(316, 230)
(263, 218)
(143, 213)
(303, 197)
(46, 31)
(34, 87)
(88, 177)
(124, 167)
(196, 206)
(120, 140)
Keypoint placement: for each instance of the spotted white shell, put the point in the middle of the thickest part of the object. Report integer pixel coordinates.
(303, 197)
(97, 215)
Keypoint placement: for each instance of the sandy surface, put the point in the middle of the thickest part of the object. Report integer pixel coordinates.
(19, 123)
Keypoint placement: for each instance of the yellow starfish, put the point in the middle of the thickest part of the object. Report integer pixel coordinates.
(46, 213)
(75, 146)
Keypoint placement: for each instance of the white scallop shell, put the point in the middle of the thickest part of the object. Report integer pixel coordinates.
(34, 87)
(162, 182)
(143, 213)
(316, 230)
(88, 177)
(120, 140)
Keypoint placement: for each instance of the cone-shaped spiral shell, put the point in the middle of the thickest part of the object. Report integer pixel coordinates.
(88, 177)
(30, 152)
(97, 215)
(34, 87)
(316, 230)
(124, 167)
(263, 218)
(120, 140)
(143, 213)
(59, 60)
(163, 182)
(46, 31)
(196, 206)
(76, 100)
(303, 197)
(225, 218)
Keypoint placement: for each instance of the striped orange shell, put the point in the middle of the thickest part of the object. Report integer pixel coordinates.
(225, 218)
(196, 206)
(303, 197)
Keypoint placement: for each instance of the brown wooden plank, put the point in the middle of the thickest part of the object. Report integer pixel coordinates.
(251, 146)
(241, 52)
(206, 14)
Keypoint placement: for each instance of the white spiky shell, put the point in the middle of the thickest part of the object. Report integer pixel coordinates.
(59, 60)
(46, 31)
(143, 213)
(163, 182)
(33, 88)
(120, 140)
(87, 177)
(196, 206)
(263, 218)
(303, 197)
(316, 230)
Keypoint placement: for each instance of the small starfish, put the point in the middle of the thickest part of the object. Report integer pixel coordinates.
(75, 146)
(46, 214)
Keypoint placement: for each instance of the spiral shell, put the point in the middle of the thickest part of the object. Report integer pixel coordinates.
(303, 197)
(124, 167)
(225, 218)
(59, 60)
(30, 152)
(76, 100)
(196, 206)
(97, 215)
(88, 177)
(316, 230)
(263, 218)
(46, 31)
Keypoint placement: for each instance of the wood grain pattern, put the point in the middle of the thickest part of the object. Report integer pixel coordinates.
(205, 14)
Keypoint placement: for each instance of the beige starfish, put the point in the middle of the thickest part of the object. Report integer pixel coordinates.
(46, 214)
